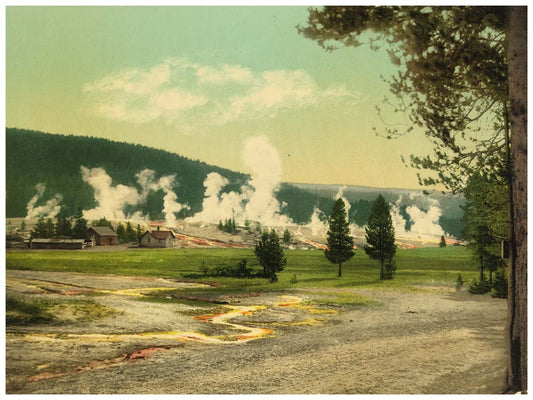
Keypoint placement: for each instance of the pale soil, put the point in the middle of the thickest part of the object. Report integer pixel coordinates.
(425, 342)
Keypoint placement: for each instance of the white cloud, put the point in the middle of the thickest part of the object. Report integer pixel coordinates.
(178, 91)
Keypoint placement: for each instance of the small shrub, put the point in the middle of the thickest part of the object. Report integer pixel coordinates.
(479, 287)
(459, 283)
(204, 269)
(294, 280)
(499, 285)
(240, 270)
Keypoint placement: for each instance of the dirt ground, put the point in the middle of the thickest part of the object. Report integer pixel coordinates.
(421, 342)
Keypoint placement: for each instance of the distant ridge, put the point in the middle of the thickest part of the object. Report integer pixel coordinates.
(55, 160)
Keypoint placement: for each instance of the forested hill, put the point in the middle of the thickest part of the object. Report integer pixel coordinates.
(55, 160)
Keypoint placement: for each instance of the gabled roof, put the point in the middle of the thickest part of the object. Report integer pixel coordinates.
(103, 230)
(163, 235)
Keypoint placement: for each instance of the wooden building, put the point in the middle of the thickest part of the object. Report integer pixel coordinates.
(158, 238)
(102, 236)
(58, 244)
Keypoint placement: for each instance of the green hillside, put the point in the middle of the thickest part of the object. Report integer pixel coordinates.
(55, 160)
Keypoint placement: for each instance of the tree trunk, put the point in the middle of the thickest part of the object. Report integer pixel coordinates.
(340, 274)
(381, 272)
(516, 327)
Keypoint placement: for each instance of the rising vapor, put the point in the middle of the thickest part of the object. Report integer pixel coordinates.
(48, 210)
(256, 200)
(425, 224)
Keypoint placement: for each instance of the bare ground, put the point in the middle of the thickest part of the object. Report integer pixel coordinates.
(426, 342)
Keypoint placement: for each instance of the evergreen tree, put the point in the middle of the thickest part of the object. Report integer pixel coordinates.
(340, 243)
(286, 236)
(104, 222)
(80, 228)
(39, 230)
(442, 242)
(380, 236)
(50, 230)
(462, 70)
(121, 233)
(63, 227)
(270, 255)
(139, 232)
(131, 236)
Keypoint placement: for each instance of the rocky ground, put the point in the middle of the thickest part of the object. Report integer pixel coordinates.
(427, 342)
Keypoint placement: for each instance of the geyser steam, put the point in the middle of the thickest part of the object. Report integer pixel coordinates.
(50, 209)
(257, 201)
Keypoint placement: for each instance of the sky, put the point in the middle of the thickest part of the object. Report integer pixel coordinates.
(200, 81)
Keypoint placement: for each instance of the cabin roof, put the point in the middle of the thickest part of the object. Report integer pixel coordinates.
(103, 231)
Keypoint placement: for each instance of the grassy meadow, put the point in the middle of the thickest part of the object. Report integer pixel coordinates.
(305, 269)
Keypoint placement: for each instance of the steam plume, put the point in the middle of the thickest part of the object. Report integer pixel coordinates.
(425, 223)
(50, 209)
(257, 201)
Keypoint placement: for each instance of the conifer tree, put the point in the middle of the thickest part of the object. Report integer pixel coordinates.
(380, 237)
(131, 236)
(49, 228)
(270, 255)
(39, 230)
(121, 233)
(80, 228)
(63, 227)
(286, 236)
(340, 243)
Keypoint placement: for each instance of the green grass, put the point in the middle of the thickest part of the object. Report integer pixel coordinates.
(415, 268)
(31, 311)
(28, 312)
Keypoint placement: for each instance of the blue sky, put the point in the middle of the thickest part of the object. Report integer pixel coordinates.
(199, 81)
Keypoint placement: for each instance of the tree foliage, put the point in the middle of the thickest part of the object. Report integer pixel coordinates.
(380, 240)
(63, 227)
(486, 220)
(451, 78)
(340, 243)
(80, 228)
(270, 255)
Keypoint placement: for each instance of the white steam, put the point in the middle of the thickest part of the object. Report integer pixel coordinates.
(112, 200)
(424, 223)
(340, 195)
(171, 206)
(256, 200)
(317, 225)
(49, 210)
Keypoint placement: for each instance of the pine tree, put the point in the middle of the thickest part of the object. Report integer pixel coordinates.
(131, 236)
(270, 255)
(80, 228)
(49, 228)
(39, 230)
(63, 227)
(121, 233)
(380, 237)
(286, 236)
(340, 243)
